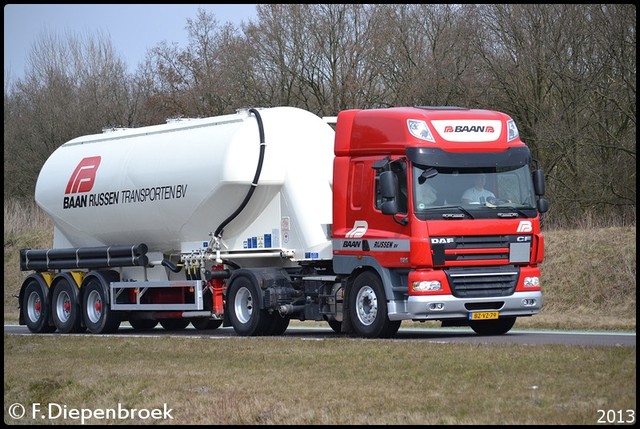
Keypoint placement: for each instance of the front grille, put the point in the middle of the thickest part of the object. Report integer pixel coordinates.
(463, 250)
(483, 282)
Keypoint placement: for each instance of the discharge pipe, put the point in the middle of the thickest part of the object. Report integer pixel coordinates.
(256, 177)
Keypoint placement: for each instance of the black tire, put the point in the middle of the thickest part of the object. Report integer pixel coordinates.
(174, 324)
(35, 308)
(335, 325)
(368, 308)
(65, 308)
(202, 324)
(143, 324)
(278, 325)
(243, 306)
(493, 327)
(96, 313)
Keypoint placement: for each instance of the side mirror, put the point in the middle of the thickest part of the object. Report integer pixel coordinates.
(388, 185)
(388, 191)
(538, 181)
(543, 205)
(389, 207)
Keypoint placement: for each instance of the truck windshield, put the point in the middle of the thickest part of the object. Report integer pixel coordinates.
(475, 192)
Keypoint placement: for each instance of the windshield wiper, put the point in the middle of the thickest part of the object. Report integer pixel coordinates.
(456, 215)
(510, 207)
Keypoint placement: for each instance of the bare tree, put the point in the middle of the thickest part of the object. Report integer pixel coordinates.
(338, 71)
(208, 77)
(567, 74)
(278, 51)
(74, 85)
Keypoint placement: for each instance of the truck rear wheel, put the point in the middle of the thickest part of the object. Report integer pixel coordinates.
(35, 308)
(244, 308)
(97, 316)
(368, 308)
(493, 327)
(278, 325)
(65, 305)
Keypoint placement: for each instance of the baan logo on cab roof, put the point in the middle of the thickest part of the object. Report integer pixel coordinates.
(471, 130)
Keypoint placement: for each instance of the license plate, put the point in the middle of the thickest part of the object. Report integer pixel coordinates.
(483, 315)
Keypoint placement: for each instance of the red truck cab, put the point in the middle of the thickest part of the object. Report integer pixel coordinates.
(414, 248)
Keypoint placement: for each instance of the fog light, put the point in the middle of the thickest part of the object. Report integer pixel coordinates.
(528, 302)
(436, 306)
(531, 282)
(426, 286)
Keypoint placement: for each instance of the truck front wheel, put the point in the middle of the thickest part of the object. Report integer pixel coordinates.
(368, 308)
(493, 327)
(335, 325)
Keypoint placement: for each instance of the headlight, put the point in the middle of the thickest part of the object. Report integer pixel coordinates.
(426, 286)
(531, 282)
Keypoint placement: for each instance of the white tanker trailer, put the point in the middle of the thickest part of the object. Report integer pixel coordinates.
(160, 202)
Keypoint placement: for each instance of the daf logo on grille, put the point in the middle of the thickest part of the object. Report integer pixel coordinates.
(442, 240)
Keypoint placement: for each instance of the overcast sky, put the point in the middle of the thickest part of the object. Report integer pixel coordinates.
(132, 28)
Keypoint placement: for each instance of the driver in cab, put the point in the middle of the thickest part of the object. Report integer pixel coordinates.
(426, 195)
(477, 194)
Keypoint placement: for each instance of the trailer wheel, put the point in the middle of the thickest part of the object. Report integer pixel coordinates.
(244, 308)
(65, 308)
(174, 324)
(493, 327)
(97, 316)
(204, 323)
(368, 308)
(143, 324)
(35, 309)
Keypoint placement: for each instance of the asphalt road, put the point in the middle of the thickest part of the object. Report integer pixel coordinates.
(430, 335)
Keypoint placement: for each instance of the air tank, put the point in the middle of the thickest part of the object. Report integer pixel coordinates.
(171, 186)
